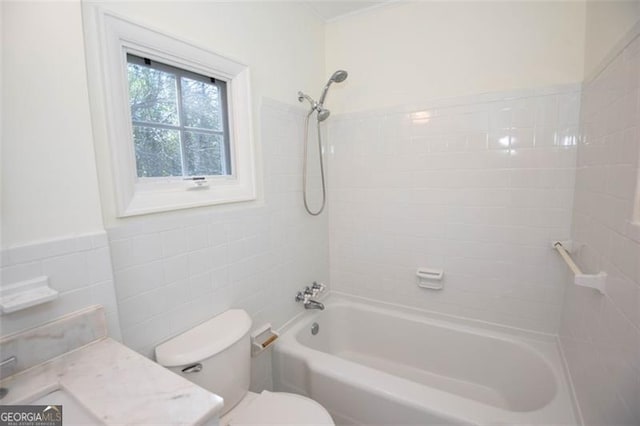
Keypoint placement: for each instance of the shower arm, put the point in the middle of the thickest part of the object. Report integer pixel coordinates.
(302, 96)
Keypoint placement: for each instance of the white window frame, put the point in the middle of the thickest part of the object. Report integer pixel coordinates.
(134, 196)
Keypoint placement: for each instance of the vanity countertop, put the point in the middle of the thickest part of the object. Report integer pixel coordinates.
(117, 386)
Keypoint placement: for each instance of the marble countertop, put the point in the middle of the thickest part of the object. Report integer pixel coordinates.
(117, 386)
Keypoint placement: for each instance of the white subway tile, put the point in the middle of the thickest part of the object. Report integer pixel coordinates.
(4, 258)
(138, 279)
(175, 268)
(121, 254)
(31, 252)
(174, 242)
(99, 265)
(21, 272)
(99, 240)
(104, 294)
(200, 286)
(145, 248)
(141, 308)
(197, 237)
(217, 234)
(66, 273)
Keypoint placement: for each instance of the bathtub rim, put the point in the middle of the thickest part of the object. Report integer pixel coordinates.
(543, 345)
(466, 323)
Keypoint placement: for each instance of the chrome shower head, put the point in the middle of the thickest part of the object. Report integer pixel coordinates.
(337, 77)
(323, 114)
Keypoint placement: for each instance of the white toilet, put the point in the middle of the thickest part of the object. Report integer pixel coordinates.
(216, 356)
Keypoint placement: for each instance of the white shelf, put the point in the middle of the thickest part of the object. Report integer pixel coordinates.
(24, 294)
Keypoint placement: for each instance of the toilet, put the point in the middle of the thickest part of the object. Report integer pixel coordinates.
(216, 356)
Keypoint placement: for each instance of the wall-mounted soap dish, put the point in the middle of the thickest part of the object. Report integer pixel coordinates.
(24, 294)
(430, 278)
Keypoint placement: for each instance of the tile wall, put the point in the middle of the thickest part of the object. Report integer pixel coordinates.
(476, 186)
(174, 272)
(78, 267)
(600, 335)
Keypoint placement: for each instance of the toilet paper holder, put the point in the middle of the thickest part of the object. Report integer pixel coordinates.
(262, 338)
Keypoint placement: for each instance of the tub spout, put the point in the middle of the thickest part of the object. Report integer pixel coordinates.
(313, 304)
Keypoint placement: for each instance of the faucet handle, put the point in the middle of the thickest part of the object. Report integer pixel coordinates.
(309, 292)
(300, 297)
(317, 287)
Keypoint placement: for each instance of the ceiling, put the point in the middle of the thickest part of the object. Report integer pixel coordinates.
(331, 9)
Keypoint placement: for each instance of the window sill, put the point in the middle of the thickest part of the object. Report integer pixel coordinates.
(147, 202)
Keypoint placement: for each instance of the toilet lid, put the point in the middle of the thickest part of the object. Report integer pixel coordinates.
(280, 408)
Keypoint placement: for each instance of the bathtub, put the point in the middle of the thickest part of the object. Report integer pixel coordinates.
(373, 363)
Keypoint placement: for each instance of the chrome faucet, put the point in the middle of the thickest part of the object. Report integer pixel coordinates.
(306, 296)
(313, 304)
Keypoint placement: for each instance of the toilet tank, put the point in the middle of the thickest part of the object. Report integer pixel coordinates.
(215, 355)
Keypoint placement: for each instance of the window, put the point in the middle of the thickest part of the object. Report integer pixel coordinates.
(177, 118)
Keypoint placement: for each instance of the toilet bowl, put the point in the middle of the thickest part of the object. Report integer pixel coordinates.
(216, 355)
(276, 408)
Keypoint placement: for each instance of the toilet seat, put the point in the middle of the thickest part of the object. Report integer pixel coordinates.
(277, 408)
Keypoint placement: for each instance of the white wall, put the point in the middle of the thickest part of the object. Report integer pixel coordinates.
(174, 270)
(281, 42)
(607, 22)
(52, 157)
(481, 185)
(49, 183)
(600, 334)
(406, 53)
(477, 186)
(255, 255)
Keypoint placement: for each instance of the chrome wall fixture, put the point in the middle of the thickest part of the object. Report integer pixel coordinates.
(321, 115)
(306, 296)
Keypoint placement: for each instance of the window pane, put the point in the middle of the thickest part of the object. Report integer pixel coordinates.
(204, 154)
(157, 151)
(152, 95)
(201, 104)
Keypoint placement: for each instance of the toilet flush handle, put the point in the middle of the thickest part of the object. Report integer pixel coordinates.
(195, 368)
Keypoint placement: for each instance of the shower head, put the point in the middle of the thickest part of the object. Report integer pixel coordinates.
(323, 114)
(337, 77)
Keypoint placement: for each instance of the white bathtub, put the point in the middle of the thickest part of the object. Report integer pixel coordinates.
(373, 363)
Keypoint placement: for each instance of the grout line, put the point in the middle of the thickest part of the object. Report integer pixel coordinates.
(572, 388)
(615, 51)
